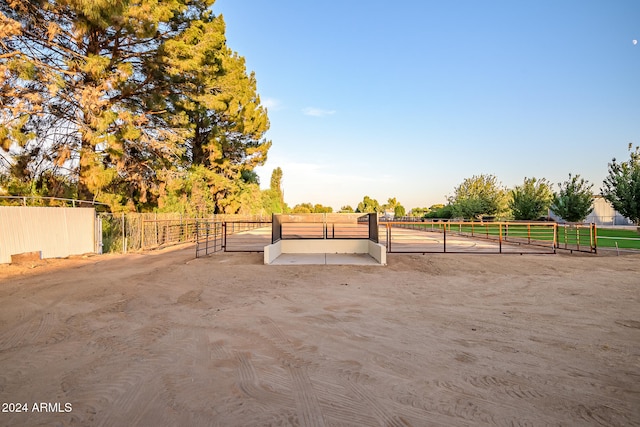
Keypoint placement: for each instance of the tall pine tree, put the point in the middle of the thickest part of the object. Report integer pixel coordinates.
(124, 96)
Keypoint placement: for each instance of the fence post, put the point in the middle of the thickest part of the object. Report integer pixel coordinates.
(124, 236)
(206, 245)
(387, 226)
(224, 236)
(500, 237)
(594, 235)
(444, 239)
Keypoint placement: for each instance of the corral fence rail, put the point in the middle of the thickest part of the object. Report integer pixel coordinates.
(144, 231)
(511, 236)
(507, 236)
(578, 237)
(231, 236)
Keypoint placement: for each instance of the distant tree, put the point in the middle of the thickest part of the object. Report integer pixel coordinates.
(574, 200)
(418, 212)
(531, 200)
(368, 205)
(302, 208)
(392, 202)
(622, 186)
(479, 196)
(276, 181)
(318, 208)
(273, 198)
(440, 211)
(309, 208)
(395, 206)
(346, 209)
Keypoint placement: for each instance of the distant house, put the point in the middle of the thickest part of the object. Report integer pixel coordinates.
(603, 214)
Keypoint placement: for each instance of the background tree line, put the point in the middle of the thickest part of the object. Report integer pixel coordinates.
(143, 106)
(483, 196)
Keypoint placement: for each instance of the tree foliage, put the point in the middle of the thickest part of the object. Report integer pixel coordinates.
(440, 211)
(309, 208)
(273, 198)
(531, 200)
(399, 211)
(368, 205)
(622, 186)
(395, 206)
(125, 97)
(574, 200)
(479, 196)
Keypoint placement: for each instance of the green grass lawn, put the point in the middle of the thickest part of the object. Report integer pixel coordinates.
(608, 237)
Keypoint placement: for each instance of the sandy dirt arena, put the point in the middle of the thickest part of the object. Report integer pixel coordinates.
(163, 339)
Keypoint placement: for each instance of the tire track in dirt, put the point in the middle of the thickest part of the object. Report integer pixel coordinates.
(249, 383)
(28, 328)
(36, 329)
(307, 402)
(123, 398)
(374, 405)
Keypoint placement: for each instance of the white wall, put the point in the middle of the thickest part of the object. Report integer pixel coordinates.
(330, 246)
(55, 232)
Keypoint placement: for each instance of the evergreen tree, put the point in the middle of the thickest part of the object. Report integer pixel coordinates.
(273, 198)
(120, 95)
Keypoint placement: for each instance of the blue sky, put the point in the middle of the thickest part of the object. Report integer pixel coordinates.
(406, 99)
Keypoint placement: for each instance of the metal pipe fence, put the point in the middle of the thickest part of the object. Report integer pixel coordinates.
(469, 237)
(324, 226)
(47, 201)
(144, 231)
(231, 236)
(578, 237)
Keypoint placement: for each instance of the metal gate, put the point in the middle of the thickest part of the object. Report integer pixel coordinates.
(231, 236)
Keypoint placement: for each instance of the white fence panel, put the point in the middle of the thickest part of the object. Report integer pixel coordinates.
(55, 232)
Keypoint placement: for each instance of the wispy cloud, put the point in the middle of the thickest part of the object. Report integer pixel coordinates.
(272, 104)
(317, 112)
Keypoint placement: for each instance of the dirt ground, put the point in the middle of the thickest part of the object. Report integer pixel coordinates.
(163, 339)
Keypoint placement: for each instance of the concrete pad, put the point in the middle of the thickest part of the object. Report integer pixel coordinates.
(350, 259)
(322, 259)
(299, 259)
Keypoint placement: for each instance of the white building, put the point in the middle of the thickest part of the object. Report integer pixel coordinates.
(603, 214)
